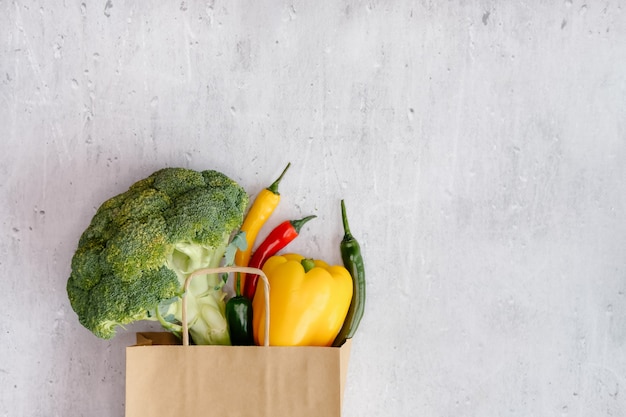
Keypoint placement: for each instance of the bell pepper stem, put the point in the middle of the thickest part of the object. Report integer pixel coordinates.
(307, 264)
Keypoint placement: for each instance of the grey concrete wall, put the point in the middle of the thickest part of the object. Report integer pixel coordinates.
(480, 146)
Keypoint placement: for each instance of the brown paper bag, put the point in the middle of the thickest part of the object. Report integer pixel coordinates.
(234, 381)
(166, 379)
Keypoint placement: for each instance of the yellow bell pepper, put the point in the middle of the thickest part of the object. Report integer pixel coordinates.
(309, 300)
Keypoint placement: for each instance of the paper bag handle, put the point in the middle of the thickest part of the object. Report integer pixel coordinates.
(222, 270)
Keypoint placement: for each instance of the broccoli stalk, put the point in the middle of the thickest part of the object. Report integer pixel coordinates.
(205, 305)
(132, 260)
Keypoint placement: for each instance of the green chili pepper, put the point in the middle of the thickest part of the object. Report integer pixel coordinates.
(353, 262)
(239, 318)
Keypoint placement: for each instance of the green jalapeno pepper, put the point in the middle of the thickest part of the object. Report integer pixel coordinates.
(239, 318)
(353, 262)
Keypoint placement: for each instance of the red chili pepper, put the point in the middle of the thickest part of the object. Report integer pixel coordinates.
(275, 241)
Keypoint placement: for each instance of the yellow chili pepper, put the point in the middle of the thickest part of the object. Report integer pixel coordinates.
(309, 300)
(264, 205)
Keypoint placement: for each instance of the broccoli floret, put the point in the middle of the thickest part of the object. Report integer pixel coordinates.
(132, 260)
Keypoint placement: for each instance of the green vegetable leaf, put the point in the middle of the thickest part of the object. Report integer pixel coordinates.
(238, 242)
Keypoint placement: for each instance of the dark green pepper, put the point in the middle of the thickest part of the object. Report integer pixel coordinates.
(353, 262)
(239, 318)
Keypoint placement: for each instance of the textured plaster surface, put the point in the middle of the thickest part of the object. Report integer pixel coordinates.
(480, 147)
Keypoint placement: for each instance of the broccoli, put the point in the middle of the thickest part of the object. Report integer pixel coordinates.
(132, 260)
